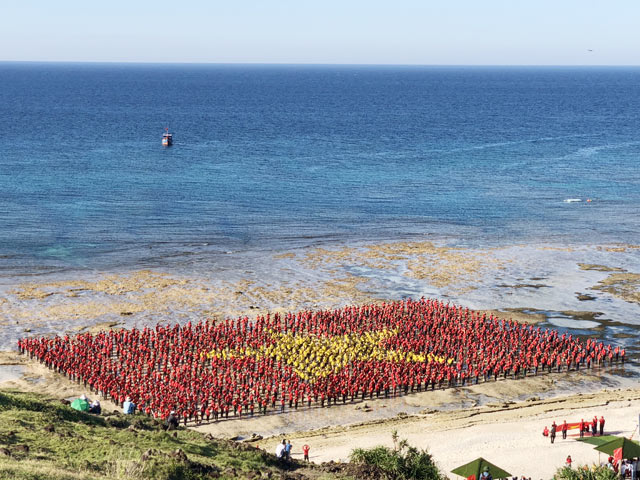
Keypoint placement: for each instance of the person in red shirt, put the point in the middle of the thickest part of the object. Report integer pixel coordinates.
(582, 424)
(564, 429)
(305, 451)
(601, 425)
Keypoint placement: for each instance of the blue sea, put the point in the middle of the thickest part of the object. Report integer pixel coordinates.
(272, 157)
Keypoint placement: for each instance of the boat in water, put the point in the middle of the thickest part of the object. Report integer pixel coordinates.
(167, 138)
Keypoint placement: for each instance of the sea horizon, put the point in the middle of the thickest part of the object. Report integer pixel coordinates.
(320, 64)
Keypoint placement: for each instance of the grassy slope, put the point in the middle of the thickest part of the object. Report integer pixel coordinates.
(84, 446)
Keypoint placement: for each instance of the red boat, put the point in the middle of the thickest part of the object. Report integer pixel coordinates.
(167, 138)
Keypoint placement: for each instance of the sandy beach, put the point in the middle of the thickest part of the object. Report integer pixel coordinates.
(591, 290)
(509, 435)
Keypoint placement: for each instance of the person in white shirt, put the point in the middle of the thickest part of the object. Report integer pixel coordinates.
(280, 449)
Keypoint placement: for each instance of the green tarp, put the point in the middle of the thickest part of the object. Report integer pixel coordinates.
(80, 404)
(597, 440)
(477, 466)
(630, 449)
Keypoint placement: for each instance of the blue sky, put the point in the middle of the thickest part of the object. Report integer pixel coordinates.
(447, 32)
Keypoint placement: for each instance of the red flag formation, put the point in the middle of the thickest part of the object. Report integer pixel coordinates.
(209, 369)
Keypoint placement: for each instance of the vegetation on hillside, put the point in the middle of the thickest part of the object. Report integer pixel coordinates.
(41, 438)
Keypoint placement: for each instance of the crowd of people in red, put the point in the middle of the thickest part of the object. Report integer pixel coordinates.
(170, 368)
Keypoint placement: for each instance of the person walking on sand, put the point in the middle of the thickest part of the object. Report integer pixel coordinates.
(601, 425)
(582, 428)
(552, 434)
(568, 461)
(564, 429)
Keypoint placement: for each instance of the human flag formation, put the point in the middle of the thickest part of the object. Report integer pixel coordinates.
(209, 370)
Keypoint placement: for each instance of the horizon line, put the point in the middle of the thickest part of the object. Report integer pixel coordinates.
(319, 64)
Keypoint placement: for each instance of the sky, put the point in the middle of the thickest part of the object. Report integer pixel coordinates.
(422, 32)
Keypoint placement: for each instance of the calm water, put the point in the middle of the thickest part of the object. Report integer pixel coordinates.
(280, 156)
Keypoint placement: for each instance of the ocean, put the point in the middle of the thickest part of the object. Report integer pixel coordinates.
(520, 161)
(266, 156)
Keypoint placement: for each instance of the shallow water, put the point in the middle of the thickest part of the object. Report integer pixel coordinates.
(9, 373)
(281, 157)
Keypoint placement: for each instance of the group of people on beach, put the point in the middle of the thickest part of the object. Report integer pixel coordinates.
(283, 451)
(209, 370)
(582, 426)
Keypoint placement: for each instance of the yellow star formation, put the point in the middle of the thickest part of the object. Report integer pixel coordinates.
(313, 357)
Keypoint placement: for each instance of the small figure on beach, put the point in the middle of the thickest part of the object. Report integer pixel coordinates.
(280, 449)
(582, 425)
(594, 426)
(128, 407)
(545, 432)
(171, 423)
(305, 452)
(601, 425)
(564, 429)
(95, 407)
(287, 451)
(569, 461)
(552, 434)
(610, 465)
(486, 474)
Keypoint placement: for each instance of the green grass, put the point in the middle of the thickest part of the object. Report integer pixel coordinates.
(84, 446)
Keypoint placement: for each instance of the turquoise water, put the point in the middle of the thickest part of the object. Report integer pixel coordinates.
(272, 157)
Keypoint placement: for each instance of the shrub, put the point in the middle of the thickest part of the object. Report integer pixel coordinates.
(584, 472)
(402, 462)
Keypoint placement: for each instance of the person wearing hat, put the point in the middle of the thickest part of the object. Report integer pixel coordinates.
(128, 407)
(486, 474)
(172, 421)
(95, 407)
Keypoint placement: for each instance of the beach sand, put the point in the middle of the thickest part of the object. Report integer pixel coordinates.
(509, 435)
(590, 289)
